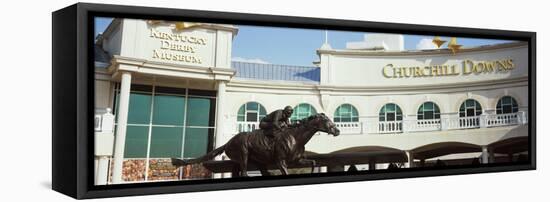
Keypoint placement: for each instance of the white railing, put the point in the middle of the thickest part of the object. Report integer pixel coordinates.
(104, 120)
(452, 123)
(468, 122)
(247, 126)
(390, 126)
(349, 127)
(423, 125)
(494, 120)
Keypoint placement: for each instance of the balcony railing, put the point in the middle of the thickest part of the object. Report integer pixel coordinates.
(247, 126)
(494, 120)
(468, 122)
(350, 127)
(390, 127)
(423, 125)
(454, 123)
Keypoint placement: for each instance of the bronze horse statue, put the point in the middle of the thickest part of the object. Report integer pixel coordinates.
(288, 146)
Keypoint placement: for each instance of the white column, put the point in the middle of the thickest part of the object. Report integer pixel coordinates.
(219, 136)
(445, 121)
(102, 170)
(483, 120)
(122, 116)
(408, 123)
(220, 103)
(484, 155)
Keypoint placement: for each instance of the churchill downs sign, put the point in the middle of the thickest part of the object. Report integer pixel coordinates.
(466, 67)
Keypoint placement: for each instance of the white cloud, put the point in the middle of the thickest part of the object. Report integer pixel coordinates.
(425, 44)
(254, 60)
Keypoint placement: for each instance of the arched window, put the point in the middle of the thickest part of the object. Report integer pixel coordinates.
(428, 110)
(470, 108)
(507, 105)
(346, 113)
(251, 112)
(302, 111)
(390, 112)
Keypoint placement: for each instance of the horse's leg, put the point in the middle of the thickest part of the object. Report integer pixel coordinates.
(235, 170)
(304, 161)
(283, 167)
(243, 164)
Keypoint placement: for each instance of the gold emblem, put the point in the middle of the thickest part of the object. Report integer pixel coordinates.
(438, 42)
(453, 45)
(185, 25)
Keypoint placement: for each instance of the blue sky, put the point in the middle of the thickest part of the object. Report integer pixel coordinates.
(293, 46)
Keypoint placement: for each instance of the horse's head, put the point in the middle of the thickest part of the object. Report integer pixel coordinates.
(323, 124)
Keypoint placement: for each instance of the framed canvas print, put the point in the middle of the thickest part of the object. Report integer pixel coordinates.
(157, 100)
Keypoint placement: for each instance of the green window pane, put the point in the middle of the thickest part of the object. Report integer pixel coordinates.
(390, 107)
(383, 110)
(302, 111)
(345, 113)
(303, 115)
(344, 109)
(421, 109)
(196, 142)
(240, 118)
(506, 100)
(241, 111)
(139, 111)
(199, 112)
(136, 142)
(262, 111)
(168, 110)
(166, 142)
(428, 106)
(470, 103)
(252, 106)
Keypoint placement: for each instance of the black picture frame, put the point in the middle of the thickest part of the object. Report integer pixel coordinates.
(73, 103)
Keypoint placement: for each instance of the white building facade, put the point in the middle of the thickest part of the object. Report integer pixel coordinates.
(170, 90)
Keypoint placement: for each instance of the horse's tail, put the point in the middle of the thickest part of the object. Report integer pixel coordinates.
(210, 155)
